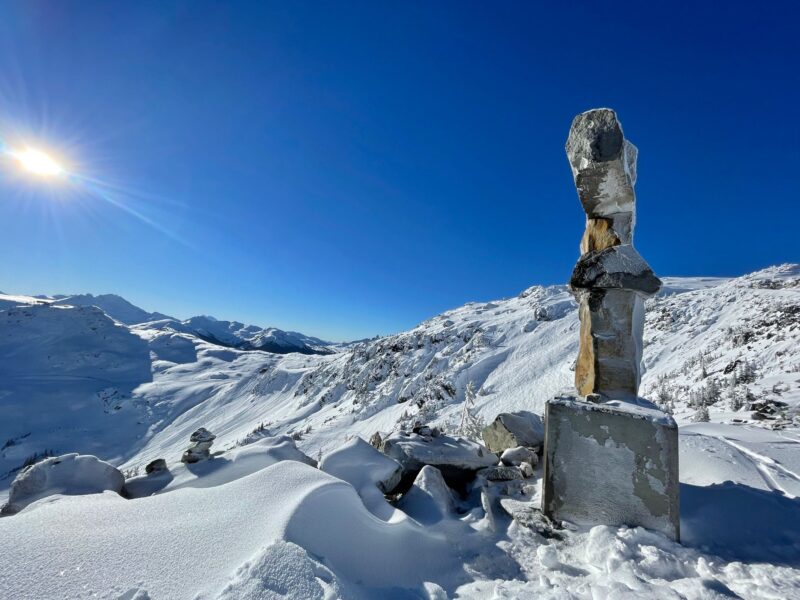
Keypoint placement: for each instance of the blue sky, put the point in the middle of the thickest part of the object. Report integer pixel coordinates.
(350, 169)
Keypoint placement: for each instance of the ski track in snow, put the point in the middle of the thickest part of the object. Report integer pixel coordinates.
(766, 465)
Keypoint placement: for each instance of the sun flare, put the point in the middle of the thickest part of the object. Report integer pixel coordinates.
(38, 163)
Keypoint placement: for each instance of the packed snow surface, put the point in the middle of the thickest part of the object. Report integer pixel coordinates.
(258, 520)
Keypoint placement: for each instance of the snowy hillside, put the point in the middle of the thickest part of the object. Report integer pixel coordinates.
(739, 337)
(726, 351)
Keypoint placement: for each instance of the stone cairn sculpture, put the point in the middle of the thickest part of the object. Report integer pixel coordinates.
(201, 441)
(611, 280)
(610, 457)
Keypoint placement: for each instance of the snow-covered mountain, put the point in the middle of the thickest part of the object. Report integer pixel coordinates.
(247, 337)
(134, 393)
(74, 379)
(114, 306)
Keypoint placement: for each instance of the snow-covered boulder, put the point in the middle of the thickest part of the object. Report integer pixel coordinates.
(514, 457)
(371, 473)
(201, 445)
(70, 474)
(457, 458)
(511, 430)
(429, 500)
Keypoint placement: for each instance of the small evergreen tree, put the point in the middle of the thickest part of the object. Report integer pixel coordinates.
(471, 424)
(701, 414)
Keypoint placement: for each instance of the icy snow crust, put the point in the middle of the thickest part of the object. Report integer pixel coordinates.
(250, 522)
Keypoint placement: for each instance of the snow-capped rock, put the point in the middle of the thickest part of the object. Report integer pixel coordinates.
(429, 500)
(511, 430)
(513, 457)
(70, 474)
(156, 466)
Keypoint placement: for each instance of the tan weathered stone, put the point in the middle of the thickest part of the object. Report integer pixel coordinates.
(586, 365)
(610, 353)
(599, 235)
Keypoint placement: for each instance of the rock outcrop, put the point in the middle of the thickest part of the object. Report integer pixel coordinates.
(201, 441)
(70, 474)
(611, 280)
(511, 430)
(457, 458)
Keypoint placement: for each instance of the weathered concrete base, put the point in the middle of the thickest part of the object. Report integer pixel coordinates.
(611, 465)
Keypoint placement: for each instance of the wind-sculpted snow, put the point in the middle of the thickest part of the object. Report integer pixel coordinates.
(192, 541)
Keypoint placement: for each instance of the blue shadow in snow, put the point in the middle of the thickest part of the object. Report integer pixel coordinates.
(738, 522)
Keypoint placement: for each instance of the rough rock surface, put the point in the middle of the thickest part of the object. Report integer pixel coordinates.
(603, 165)
(610, 350)
(502, 473)
(610, 280)
(201, 441)
(599, 235)
(511, 430)
(70, 474)
(617, 267)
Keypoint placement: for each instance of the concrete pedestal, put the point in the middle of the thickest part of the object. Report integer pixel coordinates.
(610, 464)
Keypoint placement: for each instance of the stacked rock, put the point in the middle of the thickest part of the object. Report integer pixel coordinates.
(201, 444)
(610, 457)
(611, 280)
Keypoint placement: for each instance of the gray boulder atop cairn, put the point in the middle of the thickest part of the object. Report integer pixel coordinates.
(201, 441)
(610, 457)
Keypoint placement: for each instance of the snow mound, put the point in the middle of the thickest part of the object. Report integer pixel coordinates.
(206, 542)
(71, 474)
(370, 472)
(220, 469)
(282, 571)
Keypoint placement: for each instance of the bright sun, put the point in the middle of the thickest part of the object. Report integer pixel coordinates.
(38, 163)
